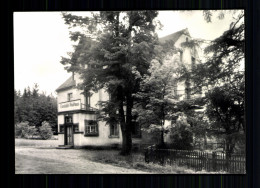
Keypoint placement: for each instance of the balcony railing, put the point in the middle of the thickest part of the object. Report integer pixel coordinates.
(87, 107)
(74, 105)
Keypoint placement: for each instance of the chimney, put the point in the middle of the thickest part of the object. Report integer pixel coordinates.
(186, 30)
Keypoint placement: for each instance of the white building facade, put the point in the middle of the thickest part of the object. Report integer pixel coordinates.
(77, 118)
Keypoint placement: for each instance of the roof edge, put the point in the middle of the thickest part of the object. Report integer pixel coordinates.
(65, 88)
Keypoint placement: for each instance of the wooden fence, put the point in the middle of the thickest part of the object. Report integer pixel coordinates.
(215, 161)
(210, 146)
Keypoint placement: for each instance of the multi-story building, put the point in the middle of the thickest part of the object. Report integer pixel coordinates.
(77, 118)
(188, 56)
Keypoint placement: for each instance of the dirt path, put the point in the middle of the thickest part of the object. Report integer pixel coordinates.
(35, 160)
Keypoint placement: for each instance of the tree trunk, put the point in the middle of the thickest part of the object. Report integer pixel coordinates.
(126, 134)
(126, 138)
(127, 141)
(125, 124)
(162, 144)
(205, 141)
(229, 149)
(162, 138)
(126, 128)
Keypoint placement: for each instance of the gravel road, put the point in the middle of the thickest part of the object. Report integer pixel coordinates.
(37, 160)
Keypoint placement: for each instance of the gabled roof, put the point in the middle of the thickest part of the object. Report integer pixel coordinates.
(70, 82)
(174, 36)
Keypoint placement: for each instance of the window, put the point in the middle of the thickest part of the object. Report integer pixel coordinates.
(114, 130)
(181, 56)
(109, 95)
(61, 128)
(91, 128)
(187, 39)
(76, 127)
(68, 119)
(69, 96)
(87, 99)
(192, 62)
(187, 89)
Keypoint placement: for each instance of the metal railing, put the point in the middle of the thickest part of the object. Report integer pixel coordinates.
(87, 108)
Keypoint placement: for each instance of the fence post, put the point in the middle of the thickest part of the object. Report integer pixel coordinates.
(214, 162)
(228, 164)
(146, 155)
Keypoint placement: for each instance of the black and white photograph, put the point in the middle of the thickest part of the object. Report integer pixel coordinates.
(130, 92)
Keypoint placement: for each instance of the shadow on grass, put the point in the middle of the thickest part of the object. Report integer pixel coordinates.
(133, 161)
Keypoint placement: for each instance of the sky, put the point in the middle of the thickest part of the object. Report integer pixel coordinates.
(42, 38)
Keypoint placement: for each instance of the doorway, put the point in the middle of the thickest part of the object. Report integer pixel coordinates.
(68, 130)
(68, 135)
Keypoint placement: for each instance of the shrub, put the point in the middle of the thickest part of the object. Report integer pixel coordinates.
(24, 130)
(45, 131)
(18, 130)
(181, 136)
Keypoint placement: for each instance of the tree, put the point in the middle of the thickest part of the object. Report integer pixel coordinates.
(226, 112)
(156, 99)
(116, 47)
(17, 97)
(35, 108)
(222, 78)
(35, 90)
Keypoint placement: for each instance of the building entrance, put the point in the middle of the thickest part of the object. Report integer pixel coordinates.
(68, 131)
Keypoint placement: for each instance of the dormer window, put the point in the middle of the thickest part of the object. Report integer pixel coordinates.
(69, 96)
(181, 56)
(87, 100)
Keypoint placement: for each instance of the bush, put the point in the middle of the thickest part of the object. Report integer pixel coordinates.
(19, 129)
(24, 130)
(181, 136)
(45, 131)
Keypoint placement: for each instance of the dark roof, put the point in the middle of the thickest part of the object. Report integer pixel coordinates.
(174, 36)
(70, 82)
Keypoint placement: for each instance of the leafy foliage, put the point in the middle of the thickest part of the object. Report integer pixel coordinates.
(114, 51)
(35, 108)
(222, 79)
(156, 98)
(181, 135)
(208, 14)
(23, 130)
(225, 56)
(45, 131)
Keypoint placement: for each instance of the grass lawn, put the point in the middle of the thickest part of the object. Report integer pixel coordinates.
(135, 161)
(36, 142)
